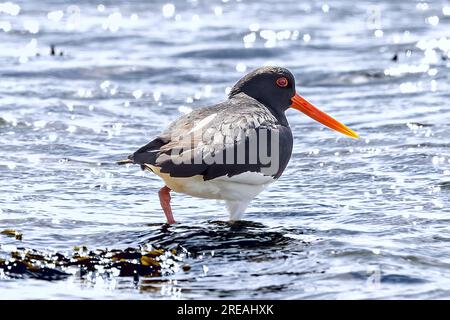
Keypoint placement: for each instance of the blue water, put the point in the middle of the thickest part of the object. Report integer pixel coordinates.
(348, 219)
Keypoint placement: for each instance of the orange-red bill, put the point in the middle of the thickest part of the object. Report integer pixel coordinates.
(299, 103)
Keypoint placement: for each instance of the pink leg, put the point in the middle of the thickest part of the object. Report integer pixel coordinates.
(164, 199)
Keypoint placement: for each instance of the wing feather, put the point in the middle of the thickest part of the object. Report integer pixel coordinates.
(192, 142)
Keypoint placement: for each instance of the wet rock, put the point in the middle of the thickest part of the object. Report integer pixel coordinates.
(12, 233)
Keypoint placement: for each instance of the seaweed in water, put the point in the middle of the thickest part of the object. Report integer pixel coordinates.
(130, 262)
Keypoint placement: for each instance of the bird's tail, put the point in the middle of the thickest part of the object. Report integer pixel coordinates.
(130, 159)
(125, 161)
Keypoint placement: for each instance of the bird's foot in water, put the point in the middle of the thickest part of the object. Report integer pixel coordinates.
(164, 199)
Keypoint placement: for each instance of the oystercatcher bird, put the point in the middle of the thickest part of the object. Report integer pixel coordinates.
(233, 150)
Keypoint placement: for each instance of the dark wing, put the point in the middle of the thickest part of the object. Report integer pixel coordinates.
(216, 141)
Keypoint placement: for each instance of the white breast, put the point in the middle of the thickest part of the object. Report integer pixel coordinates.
(242, 187)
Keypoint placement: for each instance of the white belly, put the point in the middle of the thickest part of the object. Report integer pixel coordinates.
(244, 186)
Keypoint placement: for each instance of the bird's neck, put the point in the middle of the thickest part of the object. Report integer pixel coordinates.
(279, 114)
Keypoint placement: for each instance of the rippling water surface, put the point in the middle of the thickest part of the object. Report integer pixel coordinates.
(348, 219)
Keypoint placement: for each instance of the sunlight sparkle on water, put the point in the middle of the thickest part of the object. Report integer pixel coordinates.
(5, 26)
(433, 20)
(184, 109)
(249, 39)
(406, 68)
(423, 6)
(156, 95)
(241, 67)
(283, 35)
(30, 50)
(218, 11)
(433, 85)
(168, 10)
(114, 22)
(446, 10)
(9, 8)
(254, 27)
(105, 84)
(378, 33)
(55, 15)
(137, 94)
(32, 26)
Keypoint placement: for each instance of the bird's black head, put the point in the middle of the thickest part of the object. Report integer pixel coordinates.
(272, 86)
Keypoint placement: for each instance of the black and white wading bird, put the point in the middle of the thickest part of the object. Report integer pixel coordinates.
(232, 150)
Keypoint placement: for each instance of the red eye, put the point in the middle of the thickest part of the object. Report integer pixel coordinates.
(282, 82)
